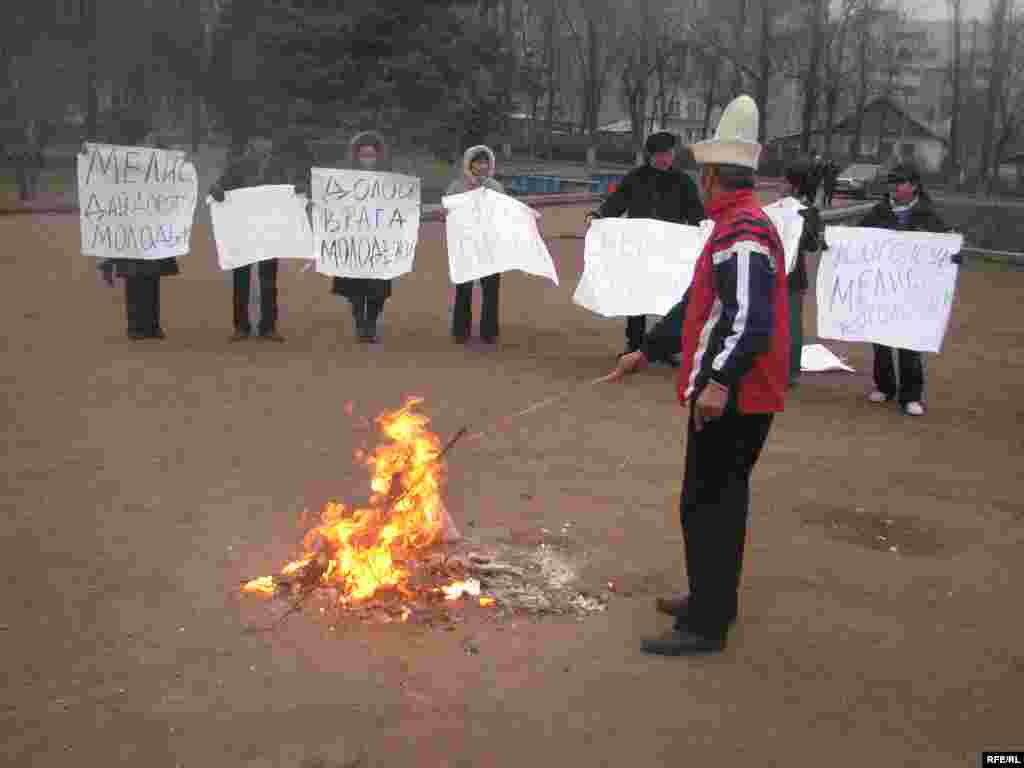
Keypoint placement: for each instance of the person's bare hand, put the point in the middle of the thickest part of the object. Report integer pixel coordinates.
(710, 405)
(628, 363)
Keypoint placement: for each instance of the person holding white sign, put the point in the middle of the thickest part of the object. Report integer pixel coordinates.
(141, 281)
(811, 242)
(477, 171)
(288, 162)
(655, 190)
(907, 207)
(367, 152)
(732, 380)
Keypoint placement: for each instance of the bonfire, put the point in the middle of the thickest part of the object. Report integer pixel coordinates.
(384, 550)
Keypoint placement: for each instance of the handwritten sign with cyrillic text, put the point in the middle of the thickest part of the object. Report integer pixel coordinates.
(886, 287)
(365, 224)
(135, 202)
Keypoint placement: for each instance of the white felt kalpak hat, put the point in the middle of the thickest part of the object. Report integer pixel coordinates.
(735, 139)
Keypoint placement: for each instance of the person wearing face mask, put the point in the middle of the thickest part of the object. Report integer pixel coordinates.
(907, 207)
(367, 295)
(477, 171)
(655, 190)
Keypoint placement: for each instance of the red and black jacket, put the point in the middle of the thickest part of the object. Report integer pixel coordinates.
(736, 329)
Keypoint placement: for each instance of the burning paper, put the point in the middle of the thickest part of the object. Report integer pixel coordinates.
(362, 551)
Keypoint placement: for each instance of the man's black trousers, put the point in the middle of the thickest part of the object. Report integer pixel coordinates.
(714, 509)
(268, 297)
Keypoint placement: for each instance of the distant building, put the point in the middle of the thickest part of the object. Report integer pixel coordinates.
(889, 134)
(684, 118)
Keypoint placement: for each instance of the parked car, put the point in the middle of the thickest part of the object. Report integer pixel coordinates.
(862, 180)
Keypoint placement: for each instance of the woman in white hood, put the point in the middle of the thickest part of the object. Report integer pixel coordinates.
(368, 152)
(477, 171)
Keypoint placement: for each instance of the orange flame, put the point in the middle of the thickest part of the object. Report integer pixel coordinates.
(360, 551)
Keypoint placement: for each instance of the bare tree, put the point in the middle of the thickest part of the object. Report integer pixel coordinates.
(998, 30)
(817, 19)
(956, 82)
(836, 73)
(863, 22)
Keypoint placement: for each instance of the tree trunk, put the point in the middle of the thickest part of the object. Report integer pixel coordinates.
(198, 76)
(764, 70)
(709, 95)
(953, 160)
(995, 87)
(811, 76)
(862, 88)
(534, 122)
(550, 62)
(89, 33)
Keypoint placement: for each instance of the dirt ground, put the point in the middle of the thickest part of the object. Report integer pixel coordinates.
(142, 480)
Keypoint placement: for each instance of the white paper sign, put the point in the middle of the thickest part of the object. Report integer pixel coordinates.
(886, 287)
(816, 358)
(785, 215)
(258, 223)
(489, 233)
(638, 266)
(135, 202)
(365, 224)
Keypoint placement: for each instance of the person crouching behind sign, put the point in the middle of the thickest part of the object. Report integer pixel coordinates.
(732, 378)
(245, 168)
(907, 207)
(811, 242)
(655, 190)
(368, 152)
(477, 171)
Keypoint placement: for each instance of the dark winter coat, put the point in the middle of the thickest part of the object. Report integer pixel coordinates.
(365, 287)
(923, 217)
(649, 193)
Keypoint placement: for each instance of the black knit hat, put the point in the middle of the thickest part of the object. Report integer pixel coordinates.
(905, 172)
(662, 141)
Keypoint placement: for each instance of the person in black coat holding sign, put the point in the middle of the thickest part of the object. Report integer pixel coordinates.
(245, 168)
(288, 162)
(367, 152)
(812, 241)
(141, 289)
(655, 190)
(906, 208)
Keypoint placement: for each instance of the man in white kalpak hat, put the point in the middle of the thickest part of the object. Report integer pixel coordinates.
(733, 376)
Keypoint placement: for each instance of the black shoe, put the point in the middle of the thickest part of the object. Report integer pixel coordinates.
(681, 642)
(158, 334)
